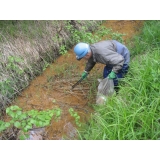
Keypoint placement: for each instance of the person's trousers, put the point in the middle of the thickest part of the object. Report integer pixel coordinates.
(121, 73)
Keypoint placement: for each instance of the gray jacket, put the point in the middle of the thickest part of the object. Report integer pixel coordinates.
(108, 52)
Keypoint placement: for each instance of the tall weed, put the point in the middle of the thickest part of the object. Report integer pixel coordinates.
(150, 36)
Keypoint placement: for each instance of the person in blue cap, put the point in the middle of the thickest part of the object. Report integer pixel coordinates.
(113, 54)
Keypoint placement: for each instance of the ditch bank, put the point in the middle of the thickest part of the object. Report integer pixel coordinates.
(28, 47)
(52, 89)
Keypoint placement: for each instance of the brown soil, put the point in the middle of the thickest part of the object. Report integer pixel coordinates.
(53, 88)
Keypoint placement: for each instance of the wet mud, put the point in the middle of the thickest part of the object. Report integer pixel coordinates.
(52, 88)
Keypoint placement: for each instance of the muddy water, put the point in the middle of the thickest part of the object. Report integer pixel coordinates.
(52, 89)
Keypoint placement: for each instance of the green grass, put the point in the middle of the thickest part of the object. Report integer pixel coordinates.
(134, 113)
(25, 28)
(150, 37)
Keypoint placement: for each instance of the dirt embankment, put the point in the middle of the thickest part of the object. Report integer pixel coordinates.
(27, 48)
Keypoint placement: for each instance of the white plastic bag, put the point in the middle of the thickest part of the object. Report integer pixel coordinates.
(105, 89)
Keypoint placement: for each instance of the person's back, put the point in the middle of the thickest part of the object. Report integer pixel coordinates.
(123, 50)
(105, 52)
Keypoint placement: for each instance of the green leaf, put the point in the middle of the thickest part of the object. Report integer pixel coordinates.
(17, 124)
(8, 110)
(36, 123)
(79, 125)
(41, 117)
(22, 137)
(16, 116)
(29, 123)
(32, 121)
(7, 124)
(75, 114)
(51, 114)
(2, 128)
(12, 121)
(58, 113)
(78, 117)
(32, 112)
(15, 108)
(1, 122)
(46, 123)
(47, 117)
(19, 112)
(23, 124)
(23, 116)
(39, 124)
(28, 127)
(71, 110)
(25, 129)
(12, 114)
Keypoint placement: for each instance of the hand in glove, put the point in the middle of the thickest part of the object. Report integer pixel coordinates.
(112, 75)
(84, 74)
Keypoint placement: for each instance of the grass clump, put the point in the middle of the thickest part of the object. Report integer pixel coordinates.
(149, 38)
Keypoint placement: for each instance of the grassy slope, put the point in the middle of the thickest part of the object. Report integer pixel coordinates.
(134, 112)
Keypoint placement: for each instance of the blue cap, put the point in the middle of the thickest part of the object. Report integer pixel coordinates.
(81, 49)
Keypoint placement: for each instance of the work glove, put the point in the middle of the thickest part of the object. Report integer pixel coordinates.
(112, 75)
(84, 74)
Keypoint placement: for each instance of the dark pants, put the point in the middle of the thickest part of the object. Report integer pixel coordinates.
(121, 73)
